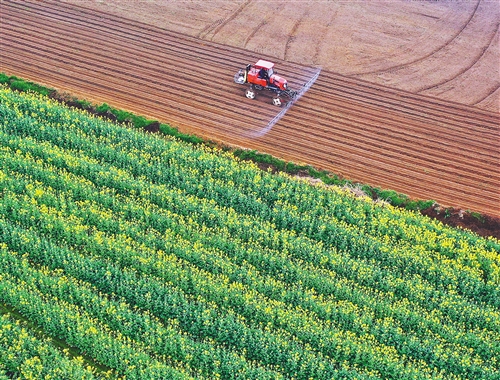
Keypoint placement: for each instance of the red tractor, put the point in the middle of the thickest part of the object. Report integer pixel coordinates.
(261, 76)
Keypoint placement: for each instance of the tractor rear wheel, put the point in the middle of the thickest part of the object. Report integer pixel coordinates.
(250, 93)
(277, 101)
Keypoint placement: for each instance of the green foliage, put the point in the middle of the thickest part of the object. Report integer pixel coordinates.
(4, 79)
(418, 205)
(24, 355)
(477, 216)
(169, 130)
(265, 160)
(103, 108)
(159, 259)
(140, 121)
(122, 116)
(174, 132)
(292, 168)
(23, 86)
(327, 177)
(84, 104)
(19, 85)
(254, 156)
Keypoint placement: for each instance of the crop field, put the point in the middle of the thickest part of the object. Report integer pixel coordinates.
(127, 255)
(422, 146)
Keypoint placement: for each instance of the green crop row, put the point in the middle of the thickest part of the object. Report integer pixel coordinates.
(23, 354)
(141, 122)
(186, 262)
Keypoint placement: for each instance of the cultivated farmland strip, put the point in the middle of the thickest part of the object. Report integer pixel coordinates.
(421, 146)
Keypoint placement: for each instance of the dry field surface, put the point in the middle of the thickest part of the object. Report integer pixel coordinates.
(447, 48)
(417, 113)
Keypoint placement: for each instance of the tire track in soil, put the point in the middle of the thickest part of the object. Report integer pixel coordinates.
(324, 40)
(430, 54)
(421, 146)
(260, 25)
(293, 32)
(492, 95)
(467, 68)
(214, 29)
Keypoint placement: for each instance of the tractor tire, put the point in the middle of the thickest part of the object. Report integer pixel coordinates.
(250, 93)
(277, 101)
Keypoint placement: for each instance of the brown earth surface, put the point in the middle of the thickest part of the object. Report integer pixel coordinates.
(426, 147)
(448, 49)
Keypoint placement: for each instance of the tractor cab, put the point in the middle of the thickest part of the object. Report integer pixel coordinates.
(261, 73)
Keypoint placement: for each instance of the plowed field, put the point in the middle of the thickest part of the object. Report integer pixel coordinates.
(446, 49)
(421, 146)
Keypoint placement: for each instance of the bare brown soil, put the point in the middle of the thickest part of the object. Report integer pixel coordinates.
(483, 225)
(422, 146)
(448, 49)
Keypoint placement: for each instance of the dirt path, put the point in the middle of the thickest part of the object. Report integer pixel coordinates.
(424, 147)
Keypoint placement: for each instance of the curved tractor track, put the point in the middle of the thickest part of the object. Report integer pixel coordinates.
(421, 146)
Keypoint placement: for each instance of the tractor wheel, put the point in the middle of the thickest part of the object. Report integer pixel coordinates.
(277, 101)
(250, 93)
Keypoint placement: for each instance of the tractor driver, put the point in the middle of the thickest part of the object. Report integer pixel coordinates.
(263, 74)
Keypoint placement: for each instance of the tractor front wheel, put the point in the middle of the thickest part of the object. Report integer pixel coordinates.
(250, 93)
(277, 101)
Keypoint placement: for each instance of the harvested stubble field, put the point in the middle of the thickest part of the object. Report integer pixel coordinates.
(368, 118)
